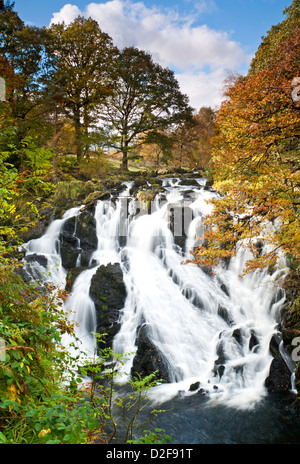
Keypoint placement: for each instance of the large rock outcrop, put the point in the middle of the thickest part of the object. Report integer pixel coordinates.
(148, 359)
(78, 238)
(279, 378)
(108, 292)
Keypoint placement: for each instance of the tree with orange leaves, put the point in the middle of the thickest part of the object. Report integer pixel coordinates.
(256, 155)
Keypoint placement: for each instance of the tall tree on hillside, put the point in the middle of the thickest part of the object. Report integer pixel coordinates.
(6, 6)
(83, 61)
(256, 158)
(193, 139)
(266, 53)
(23, 47)
(146, 99)
(156, 148)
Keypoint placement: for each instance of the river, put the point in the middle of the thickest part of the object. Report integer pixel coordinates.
(214, 330)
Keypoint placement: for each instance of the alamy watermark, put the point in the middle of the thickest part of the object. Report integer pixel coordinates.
(296, 351)
(2, 350)
(296, 90)
(2, 89)
(178, 216)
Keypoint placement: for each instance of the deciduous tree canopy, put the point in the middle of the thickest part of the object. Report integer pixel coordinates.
(146, 98)
(256, 154)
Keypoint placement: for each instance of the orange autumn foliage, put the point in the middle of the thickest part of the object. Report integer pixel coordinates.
(256, 163)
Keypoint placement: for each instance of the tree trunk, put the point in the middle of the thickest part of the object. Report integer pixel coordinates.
(124, 165)
(78, 140)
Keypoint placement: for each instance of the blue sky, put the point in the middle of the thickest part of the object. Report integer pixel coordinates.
(200, 40)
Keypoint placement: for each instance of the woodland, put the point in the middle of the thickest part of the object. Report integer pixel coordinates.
(79, 113)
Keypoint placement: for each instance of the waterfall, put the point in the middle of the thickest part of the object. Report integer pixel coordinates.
(213, 330)
(49, 267)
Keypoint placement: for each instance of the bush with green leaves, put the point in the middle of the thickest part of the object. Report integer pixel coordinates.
(42, 400)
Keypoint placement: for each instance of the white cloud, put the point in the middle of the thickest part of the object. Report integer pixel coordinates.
(67, 14)
(203, 89)
(198, 54)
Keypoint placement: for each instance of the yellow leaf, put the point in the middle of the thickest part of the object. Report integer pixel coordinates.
(43, 432)
(13, 392)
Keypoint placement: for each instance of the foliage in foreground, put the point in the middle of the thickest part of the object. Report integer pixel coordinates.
(41, 399)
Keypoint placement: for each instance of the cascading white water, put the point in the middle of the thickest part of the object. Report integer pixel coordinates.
(214, 330)
(180, 306)
(79, 305)
(48, 246)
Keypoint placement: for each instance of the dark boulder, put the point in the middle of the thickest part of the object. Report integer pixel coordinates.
(69, 250)
(148, 358)
(194, 387)
(225, 315)
(279, 378)
(219, 366)
(30, 270)
(108, 292)
(189, 182)
(78, 238)
(253, 341)
(86, 233)
(35, 258)
(237, 335)
(224, 288)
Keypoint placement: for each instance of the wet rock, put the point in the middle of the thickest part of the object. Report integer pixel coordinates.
(224, 314)
(35, 258)
(194, 386)
(191, 182)
(274, 344)
(279, 378)
(224, 288)
(220, 370)
(237, 335)
(30, 270)
(219, 367)
(148, 359)
(253, 342)
(86, 229)
(139, 184)
(108, 292)
(69, 251)
(209, 183)
(78, 237)
(145, 199)
(93, 197)
(259, 245)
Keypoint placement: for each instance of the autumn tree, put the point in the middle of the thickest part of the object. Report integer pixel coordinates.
(192, 140)
(156, 149)
(83, 60)
(23, 48)
(256, 156)
(145, 99)
(266, 53)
